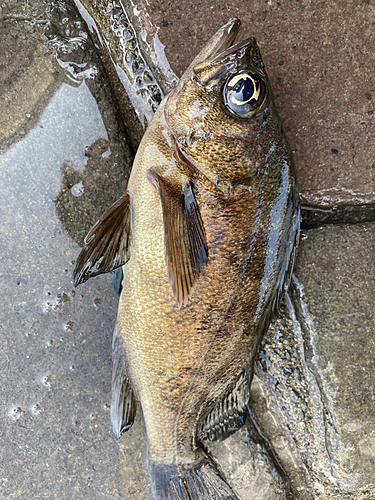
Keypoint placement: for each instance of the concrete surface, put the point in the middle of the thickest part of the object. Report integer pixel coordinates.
(18, 69)
(339, 331)
(65, 158)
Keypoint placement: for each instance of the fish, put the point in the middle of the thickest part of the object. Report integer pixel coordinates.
(207, 234)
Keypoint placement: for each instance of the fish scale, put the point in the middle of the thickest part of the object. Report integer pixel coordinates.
(207, 234)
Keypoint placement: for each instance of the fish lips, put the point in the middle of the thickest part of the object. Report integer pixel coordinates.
(243, 54)
(220, 41)
(224, 37)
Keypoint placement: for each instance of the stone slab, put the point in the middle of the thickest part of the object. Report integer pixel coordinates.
(339, 327)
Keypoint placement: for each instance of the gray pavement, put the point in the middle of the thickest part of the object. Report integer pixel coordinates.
(64, 160)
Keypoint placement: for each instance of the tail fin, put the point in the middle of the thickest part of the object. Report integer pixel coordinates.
(203, 481)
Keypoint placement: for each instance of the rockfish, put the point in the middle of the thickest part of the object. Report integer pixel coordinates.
(206, 233)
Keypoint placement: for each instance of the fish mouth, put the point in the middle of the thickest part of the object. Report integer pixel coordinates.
(225, 37)
(222, 54)
(220, 41)
(223, 42)
(234, 49)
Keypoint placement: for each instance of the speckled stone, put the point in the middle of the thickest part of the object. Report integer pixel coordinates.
(64, 159)
(339, 330)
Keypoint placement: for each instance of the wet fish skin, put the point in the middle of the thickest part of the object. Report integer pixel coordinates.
(208, 231)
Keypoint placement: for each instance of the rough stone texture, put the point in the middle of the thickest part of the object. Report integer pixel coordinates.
(339, 330)
(249, 467)
(320, 58)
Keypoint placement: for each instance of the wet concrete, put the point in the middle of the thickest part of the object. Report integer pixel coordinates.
(65, 158)
(62, 149)
(339, 332)
(17, 71)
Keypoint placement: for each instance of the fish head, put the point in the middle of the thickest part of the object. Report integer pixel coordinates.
(222, 115)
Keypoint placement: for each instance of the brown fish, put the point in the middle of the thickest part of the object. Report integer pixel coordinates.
(207, 233)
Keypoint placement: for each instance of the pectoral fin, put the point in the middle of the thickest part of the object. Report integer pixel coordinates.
(186, 250)
(106, 245)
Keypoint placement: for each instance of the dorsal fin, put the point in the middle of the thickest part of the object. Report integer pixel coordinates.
(186, 250)
(106, 245)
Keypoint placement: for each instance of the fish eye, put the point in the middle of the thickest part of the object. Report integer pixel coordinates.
(244, 94)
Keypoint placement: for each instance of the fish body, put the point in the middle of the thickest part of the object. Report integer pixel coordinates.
(207, 233)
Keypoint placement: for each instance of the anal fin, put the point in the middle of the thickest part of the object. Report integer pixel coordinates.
(124, 403)
(228, 415)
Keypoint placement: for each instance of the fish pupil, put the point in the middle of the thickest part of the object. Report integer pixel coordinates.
(243, 91)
